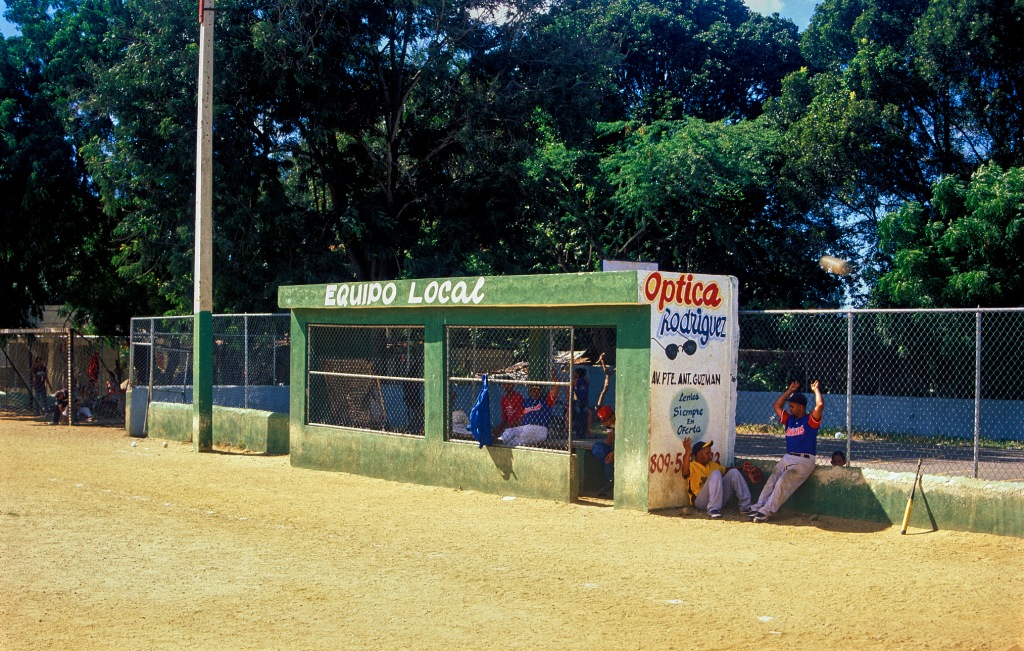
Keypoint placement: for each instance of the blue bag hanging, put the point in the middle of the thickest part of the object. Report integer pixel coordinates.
(480, 417)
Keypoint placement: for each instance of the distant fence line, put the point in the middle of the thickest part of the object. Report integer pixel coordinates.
(944, 381)
(250, 362)
(945, 384)
(36, 363)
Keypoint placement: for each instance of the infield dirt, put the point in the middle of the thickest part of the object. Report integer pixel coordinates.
(108, 546)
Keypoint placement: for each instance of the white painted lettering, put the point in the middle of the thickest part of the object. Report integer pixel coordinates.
(329, 298)
(375, 291)
(389, 293)
(430, 295)
(413, 298)
(343, 292)
(443, 291)
(476, 296)
(459, 293)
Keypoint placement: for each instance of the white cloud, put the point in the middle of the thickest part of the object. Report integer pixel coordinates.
(767, 7)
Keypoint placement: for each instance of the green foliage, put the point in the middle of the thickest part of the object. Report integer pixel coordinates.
(963, 249)
(711, 60)
(704, 197)
(366, 140)
(56, 245)
(904, 93)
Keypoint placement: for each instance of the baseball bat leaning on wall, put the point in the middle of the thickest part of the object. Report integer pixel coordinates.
(910, 502)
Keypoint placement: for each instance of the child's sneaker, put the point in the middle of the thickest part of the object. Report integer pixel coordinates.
(714, 513)
(760, 517)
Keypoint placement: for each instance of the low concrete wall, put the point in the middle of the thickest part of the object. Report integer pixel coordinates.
(261, 398)
(958, 503)
(257, 431)
(502, 471)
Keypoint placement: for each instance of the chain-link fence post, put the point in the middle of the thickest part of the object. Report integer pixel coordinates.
(152, 365)
(849, 386)
(70, 334)
(245, 360)
(977, 390)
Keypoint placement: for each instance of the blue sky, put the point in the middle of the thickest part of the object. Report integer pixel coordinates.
(798, 10)
(6, 28)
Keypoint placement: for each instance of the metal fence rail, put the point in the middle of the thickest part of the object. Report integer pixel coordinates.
(943, 385)
(36, 364)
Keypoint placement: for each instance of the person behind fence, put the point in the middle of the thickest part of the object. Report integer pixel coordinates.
(112, 401)
(88, 396)
(460, 419)
(40, 385)
(838, 458)
(711, 484)
(60, 406)
(604, 450)
(511, 409)
(580, 404)
(536, 418)
(801, 447)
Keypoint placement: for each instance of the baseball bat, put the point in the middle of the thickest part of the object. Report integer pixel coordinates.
(910, 502)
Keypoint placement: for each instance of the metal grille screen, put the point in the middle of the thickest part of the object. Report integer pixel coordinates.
(540, 382)
(366, 377)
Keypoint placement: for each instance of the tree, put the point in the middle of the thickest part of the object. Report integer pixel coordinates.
(703, 197)
(964, 248)
(53, 250)
(711, 60)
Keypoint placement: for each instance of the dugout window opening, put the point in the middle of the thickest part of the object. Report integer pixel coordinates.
(367, 377)
(544, 383)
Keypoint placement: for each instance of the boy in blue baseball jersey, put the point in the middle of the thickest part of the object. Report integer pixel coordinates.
(801, 447)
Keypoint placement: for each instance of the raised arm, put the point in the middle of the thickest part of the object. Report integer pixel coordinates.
(819, 402)
(555, 390)
(688, 446)
(780, 402)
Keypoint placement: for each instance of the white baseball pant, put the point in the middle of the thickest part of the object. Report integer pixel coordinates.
(523, 435)
(718, 490)
(791, 471)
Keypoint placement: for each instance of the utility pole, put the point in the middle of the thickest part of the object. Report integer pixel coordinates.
(202, 341)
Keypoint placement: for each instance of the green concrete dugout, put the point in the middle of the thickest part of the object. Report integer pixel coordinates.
(593, 300)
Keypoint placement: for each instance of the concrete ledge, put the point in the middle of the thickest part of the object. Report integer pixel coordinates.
(256, 431)
(957, 503)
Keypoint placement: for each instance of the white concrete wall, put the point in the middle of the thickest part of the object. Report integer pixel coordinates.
(951, 417)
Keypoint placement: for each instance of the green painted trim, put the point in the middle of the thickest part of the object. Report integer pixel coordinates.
(604, 288)
(956, 503)
(632, 417)
(202, 380)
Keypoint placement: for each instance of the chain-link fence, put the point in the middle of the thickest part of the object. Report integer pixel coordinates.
(366, 377)
(250, 360)
(42, 371)
(543, 382)
(943, 385)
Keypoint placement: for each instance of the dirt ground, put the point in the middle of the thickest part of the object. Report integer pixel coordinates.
(109, 545)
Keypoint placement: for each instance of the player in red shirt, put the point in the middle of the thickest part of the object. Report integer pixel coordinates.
(511, 408)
